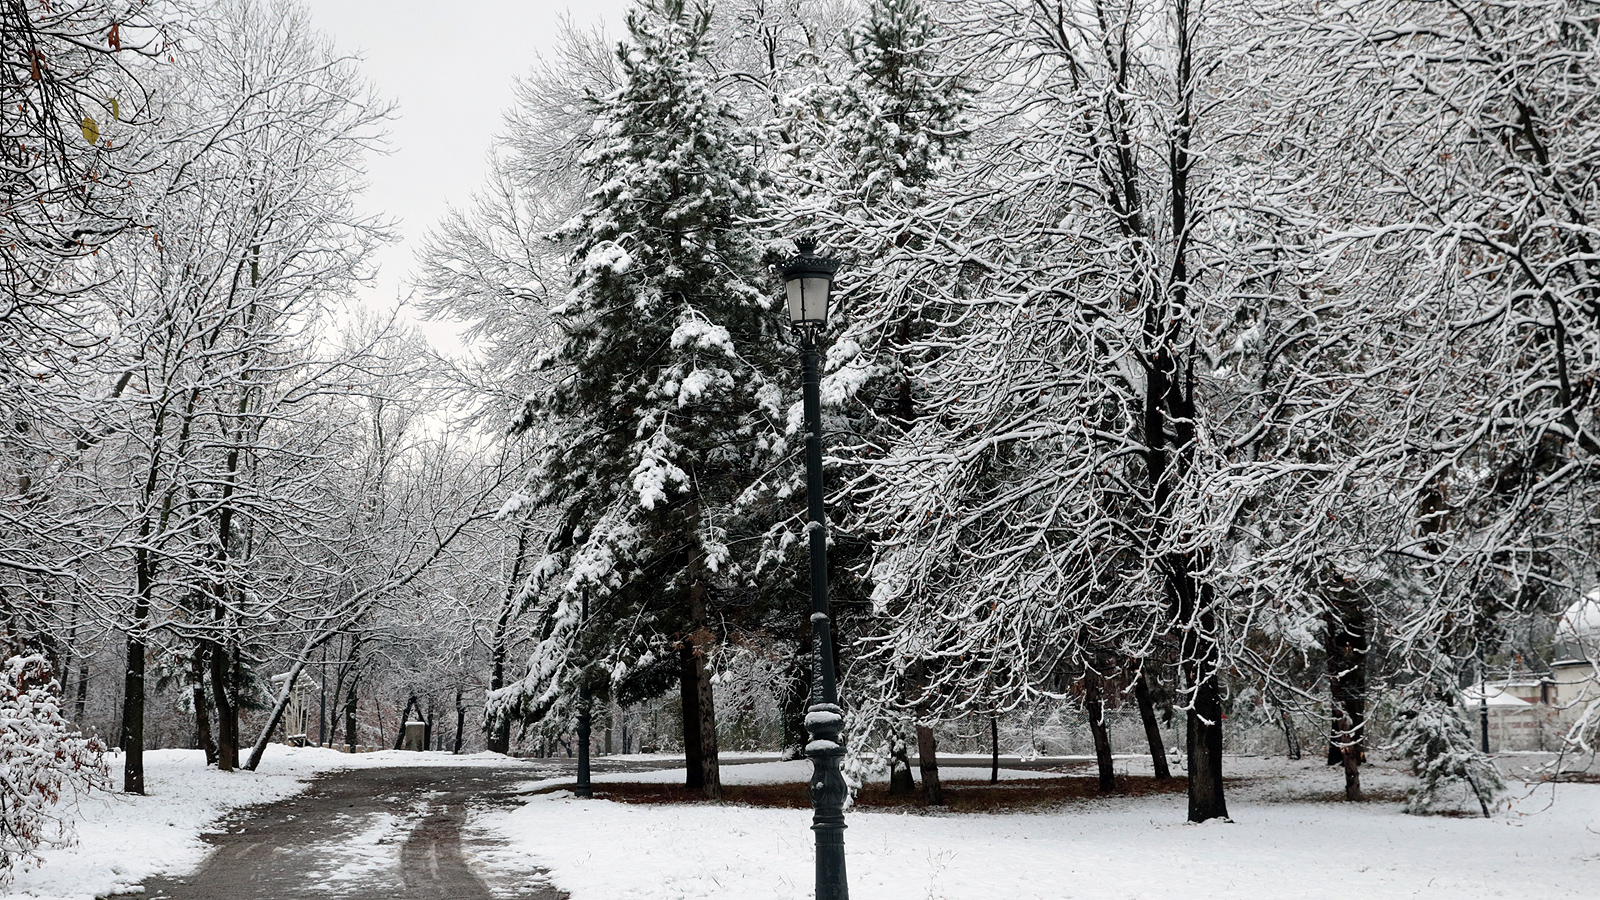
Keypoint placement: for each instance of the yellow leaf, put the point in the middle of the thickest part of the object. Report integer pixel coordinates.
(91, 130)
(116, 111)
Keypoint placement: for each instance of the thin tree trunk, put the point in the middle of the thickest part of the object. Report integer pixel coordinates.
(81, 702)
(1152, 727)
(994, 749)
(350, 735)
(202, 719)
(461, 723)
(1290, 737)
(1094, 705)
(133, 694)
(928, 761)
(427, 724)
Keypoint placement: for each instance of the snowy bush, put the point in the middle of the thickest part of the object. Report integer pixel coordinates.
(43, 760)
(1430, 734)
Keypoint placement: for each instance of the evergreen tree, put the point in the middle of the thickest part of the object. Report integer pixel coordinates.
(667, 403)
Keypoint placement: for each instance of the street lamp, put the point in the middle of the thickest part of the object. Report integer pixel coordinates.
(808, 282)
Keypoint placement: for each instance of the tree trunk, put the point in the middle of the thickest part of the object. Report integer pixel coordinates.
(202, 720)
(1345, 638)
(133, 708)
(1204, 741)
(1290, 737)
(1152, 727)
(1094, 705)
(81, 701)
(901, 784)
(712, 772)
(701, 641)
(797, 697)
(461, 722)
(350, 718)
(227, 710)
(694, 774)
(133, 682)
(275, 718)
(994, 749)
(928, 761)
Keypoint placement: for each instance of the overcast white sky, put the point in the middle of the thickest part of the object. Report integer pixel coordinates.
(449, 64)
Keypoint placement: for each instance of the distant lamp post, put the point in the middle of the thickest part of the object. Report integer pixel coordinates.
(808, 283)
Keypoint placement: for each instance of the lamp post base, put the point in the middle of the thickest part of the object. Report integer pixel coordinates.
(824, 722)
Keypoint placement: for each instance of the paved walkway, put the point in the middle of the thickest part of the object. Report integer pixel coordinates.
(367, 834)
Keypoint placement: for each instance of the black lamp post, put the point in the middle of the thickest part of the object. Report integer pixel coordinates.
(808, 281)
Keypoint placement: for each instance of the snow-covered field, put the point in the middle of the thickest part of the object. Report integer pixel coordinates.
(123, 839)
(1287, 841)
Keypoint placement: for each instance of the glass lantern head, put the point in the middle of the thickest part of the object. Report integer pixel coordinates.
(808, 281)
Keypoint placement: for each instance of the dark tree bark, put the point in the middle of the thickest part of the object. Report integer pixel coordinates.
(461, 723)
(1345, 640)
(928, 761)
(133, 698)
(1152, 727)
(82, 700)
(901, 784)
(202, 718)
(227, 729)
(994, 749)
(694, 773)
(1290, 736)
(350, 717)
(1206, 799)
(698, 675)
(1095, 706)
(797, 696)
(133, 695)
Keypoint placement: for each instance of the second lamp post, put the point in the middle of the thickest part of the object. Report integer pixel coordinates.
(808, 283)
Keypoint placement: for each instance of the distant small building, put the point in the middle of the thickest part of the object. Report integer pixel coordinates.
(1575, 673)
(1535, 710)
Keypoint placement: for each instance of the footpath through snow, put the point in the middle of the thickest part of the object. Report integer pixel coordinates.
(124, 840)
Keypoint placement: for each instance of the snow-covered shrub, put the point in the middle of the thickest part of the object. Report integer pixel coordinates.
(43, 760)
(1429, 733)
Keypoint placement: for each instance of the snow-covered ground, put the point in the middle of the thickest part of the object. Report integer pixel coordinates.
(1288, 839)
(123, 839)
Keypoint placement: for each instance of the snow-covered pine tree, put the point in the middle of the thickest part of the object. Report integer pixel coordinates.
(668, 400)
(1430, 734)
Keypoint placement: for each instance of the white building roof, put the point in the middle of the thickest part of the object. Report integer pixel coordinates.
(1496, 697)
